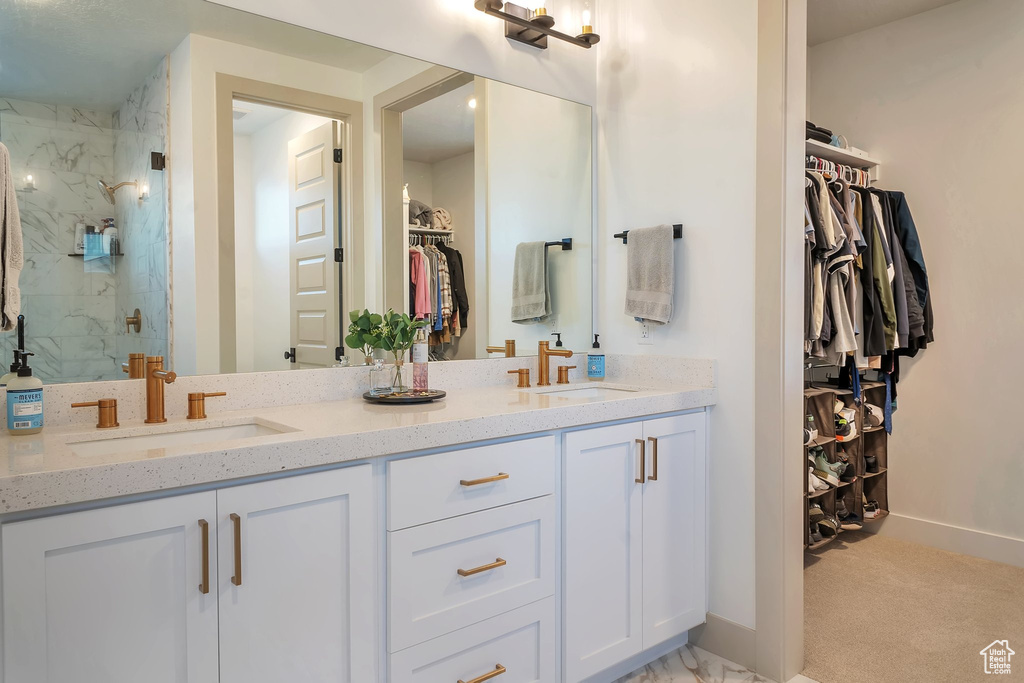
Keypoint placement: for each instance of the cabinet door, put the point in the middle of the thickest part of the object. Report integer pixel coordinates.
(297, 579)
(674, 527)
(603, 548)
(111, 595)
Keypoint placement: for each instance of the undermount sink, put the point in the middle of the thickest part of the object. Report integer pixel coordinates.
(589, 392)
(142, 442)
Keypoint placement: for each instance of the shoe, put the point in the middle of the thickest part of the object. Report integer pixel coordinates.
(851, 523)
(815, 513)
(871, 464)
(815, 534)
(828, 526)
(813, 483)
(846, 423)
(871, 509)
(810, 431)
(828, 471)
(873, 415)
(841, 511)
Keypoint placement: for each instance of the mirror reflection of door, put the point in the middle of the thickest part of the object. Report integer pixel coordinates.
(287, 228)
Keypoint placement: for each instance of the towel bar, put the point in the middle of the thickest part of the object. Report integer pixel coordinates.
(677, 233)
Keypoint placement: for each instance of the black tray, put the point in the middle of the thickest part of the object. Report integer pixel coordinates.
(408, 398)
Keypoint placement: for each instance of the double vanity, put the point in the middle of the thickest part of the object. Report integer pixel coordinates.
(545, 534)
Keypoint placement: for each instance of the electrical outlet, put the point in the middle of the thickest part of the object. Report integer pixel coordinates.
(646, 334)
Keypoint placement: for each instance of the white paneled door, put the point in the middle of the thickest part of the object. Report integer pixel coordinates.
(674, 522)
(114, 595)
(603, 509)
(297, 579)
(313, 191)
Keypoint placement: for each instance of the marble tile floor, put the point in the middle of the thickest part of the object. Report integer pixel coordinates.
(691, 664)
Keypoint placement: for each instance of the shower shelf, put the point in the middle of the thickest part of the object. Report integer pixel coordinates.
(83, 255)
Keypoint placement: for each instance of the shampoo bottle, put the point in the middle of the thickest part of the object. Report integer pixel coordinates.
(420, 350)
(25, 401)
(595, 362)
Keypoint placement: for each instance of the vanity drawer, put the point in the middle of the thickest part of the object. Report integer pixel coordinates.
(451, 574)
(523, 642)
(443, 485)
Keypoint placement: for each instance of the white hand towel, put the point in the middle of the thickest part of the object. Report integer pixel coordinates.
(13, 247)
(531, 302)
(650, 274)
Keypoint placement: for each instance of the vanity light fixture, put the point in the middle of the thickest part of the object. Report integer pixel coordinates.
(143, 192)
(533, 27)
(30, 183)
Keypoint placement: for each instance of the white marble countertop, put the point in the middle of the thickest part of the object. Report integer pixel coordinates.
(44, 470)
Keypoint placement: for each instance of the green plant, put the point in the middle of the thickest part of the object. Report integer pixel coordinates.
(364, 331)
(398, 332)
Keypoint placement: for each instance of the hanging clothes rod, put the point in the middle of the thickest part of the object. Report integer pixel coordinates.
(677, 233)
(565, 244)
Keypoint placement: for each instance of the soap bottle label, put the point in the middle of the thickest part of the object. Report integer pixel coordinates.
(25, 409)
(595, 366)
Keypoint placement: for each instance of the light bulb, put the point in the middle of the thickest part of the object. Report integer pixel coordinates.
(586, 17)
(143, 193)
(472, 103)
(30, 183)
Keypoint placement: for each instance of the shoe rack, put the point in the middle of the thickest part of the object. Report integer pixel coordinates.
(819, 401)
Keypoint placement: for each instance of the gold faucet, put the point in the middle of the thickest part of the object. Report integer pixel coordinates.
(509, 349)
(156, 377)
(543, 352)
(136, 366)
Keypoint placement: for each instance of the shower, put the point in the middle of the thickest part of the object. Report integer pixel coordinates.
(108, 191)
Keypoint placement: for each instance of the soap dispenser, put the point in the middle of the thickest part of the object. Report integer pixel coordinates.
(25, 401)
(595, 362)
(16, 365)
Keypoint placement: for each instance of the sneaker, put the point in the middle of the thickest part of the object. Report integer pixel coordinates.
(815, 534)
(828, 471)
(871, 464)
(871, 509)
(815, 513)
(849, 472)
(813, 483)
(829, 526)
(841, 511)
(851, 523)
(810, 431)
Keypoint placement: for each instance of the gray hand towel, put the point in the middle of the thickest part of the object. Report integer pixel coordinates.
(530, 300)
(650, 274)
(13, 253)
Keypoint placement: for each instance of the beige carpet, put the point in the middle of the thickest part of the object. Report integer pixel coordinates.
(888, 611)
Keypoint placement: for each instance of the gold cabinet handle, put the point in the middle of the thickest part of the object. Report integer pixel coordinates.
(204, 587)
(643, 461)
(498, 670)
(486, 480)
(654, 457)
(498, 562)
(237, 521)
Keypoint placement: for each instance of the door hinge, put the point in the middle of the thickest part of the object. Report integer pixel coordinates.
(339, 255)
(339, 353)
(337, 155)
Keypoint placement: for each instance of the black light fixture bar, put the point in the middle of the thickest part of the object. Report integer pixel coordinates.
(533, 32)
(677, 233)
(565, 244)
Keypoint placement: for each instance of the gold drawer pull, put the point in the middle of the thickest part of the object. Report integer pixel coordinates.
(498, 562)
(237, 522)
(486, 480)
(204, 587)
(654, 442)
(498, 670)
(643, 461)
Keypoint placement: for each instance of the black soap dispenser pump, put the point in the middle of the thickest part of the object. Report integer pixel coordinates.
(16, 365)
(595, 362)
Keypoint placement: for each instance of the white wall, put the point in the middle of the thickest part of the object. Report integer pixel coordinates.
(245, 229)
(420, 177)
(938, 98)
(676, 113)
(538, 189)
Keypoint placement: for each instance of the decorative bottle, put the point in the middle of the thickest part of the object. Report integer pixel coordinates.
(419, 361)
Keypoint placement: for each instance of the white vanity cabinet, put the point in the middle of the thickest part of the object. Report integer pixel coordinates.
(634, 545)
(134, 592)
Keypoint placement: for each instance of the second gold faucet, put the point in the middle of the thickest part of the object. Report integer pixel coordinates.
(543, 364)
(156, 377)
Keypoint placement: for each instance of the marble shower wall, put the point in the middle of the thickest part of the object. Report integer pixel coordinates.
(70, 314)
(140, 127)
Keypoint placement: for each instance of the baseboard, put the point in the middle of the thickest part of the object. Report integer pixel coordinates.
(953, 538)
(727, 639)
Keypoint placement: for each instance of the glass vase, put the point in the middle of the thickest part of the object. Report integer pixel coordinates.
(399, 379)
(380, 378)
